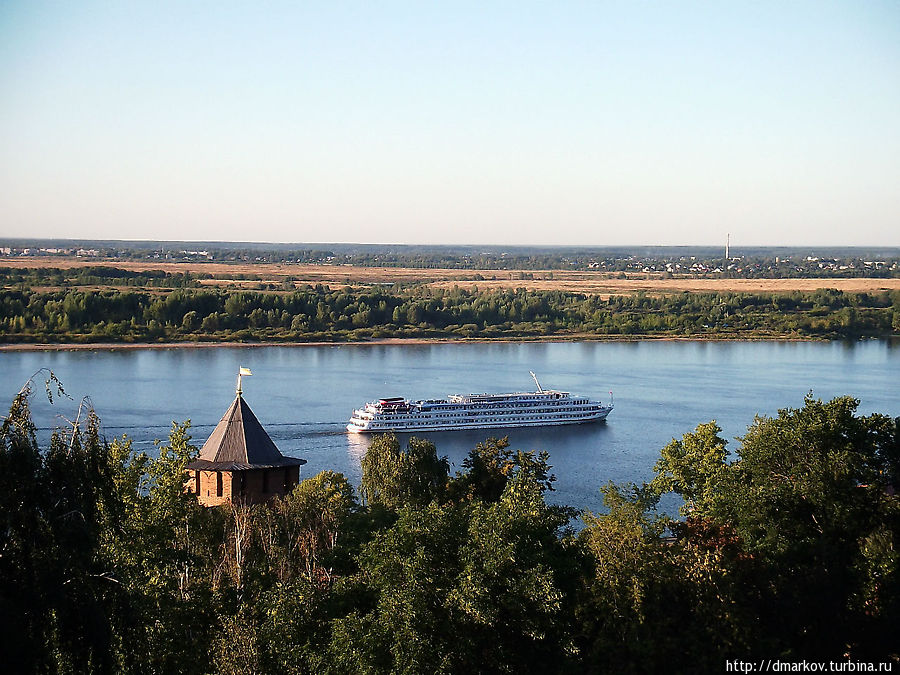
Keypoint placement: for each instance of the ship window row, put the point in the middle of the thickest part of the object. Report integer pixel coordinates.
(516, 406)
(552, 415)
(488, 405)
(505, 417)
(433, 421)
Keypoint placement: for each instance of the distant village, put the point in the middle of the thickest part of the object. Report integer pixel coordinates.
(33, 251)
(756, 267)
(674, 261)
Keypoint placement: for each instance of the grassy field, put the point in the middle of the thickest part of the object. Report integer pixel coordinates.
(597, 283)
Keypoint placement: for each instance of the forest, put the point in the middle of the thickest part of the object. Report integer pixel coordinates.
(321, 313)
(786, 547)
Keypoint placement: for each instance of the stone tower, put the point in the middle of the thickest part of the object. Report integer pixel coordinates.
(239, 461)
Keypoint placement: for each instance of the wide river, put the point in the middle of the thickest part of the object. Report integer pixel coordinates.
(304, 395)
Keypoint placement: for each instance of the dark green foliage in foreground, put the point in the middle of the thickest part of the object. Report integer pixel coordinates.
(786, 550)
(99, 550)
(810, 498)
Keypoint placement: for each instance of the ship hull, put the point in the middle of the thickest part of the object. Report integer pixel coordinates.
(385, 427)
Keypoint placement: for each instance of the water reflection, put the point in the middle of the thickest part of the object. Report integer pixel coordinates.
(358, 446)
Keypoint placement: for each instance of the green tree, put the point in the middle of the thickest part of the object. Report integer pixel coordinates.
(464, 587)
(808, 499)
(57, 596)
(490, 465)
(190, 322)
(810, 496)
(311, 519)
(395, 477)
(692, 467)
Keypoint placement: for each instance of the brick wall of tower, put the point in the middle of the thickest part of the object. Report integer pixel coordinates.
(251, 486)
(259, 485)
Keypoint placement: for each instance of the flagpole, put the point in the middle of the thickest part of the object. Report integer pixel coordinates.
(241, 372)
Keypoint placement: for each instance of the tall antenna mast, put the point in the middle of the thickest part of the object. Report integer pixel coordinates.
(540, 391)
(727, 246)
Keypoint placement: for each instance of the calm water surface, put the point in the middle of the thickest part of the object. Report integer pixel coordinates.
(304, 395)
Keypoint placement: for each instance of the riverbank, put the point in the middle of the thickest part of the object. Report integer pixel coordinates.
(114, 346)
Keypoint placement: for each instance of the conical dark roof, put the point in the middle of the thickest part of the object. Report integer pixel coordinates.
(240, 442)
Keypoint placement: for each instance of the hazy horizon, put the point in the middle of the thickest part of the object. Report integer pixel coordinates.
(462, 248)
(577, 124)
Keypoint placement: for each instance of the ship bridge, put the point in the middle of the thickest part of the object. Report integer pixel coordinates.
(493, 398)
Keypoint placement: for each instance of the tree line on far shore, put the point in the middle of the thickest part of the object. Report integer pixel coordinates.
(321, 313)
(786, 548)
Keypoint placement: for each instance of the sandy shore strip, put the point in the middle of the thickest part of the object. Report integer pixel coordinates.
(117, 346)
(114, 346)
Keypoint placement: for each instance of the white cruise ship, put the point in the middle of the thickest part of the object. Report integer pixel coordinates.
(478, 411)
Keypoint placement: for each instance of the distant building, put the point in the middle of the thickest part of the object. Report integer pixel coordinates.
(240, 463)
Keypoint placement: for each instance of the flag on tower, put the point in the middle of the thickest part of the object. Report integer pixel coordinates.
(245, 371)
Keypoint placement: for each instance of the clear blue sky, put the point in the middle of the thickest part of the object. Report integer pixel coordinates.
(524, 122)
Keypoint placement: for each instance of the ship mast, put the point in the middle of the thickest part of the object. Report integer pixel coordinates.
(540, 391)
